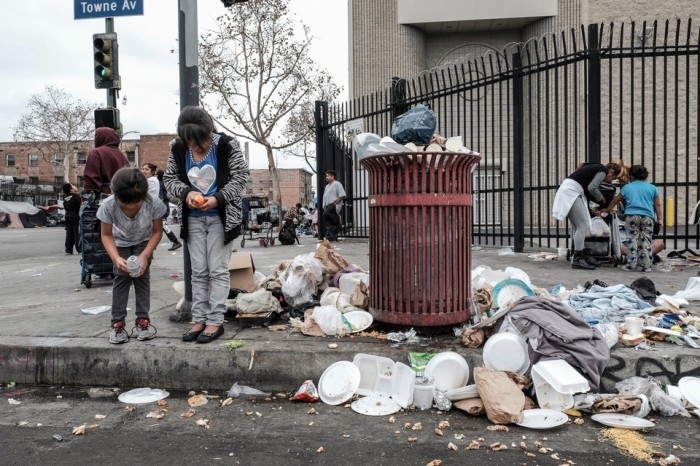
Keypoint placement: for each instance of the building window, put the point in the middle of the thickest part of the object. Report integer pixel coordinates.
(82, 157)
(34, 180)
(59, 158)
(33, 160)
(80, 181)
(58, 181)
(9, 160)
(131, 155)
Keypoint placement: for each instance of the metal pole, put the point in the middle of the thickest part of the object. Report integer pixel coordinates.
(111, 93)
(518, 156)
(189, 95)
(593, 94)
(321, 119)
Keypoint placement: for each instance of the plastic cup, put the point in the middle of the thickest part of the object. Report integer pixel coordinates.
(423, 392)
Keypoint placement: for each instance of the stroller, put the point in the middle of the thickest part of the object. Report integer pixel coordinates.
(94, 259)
(604, 239)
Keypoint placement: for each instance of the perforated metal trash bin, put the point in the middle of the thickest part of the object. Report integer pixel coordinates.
(420, 206)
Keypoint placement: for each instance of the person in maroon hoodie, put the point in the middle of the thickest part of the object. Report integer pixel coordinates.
(103, 162)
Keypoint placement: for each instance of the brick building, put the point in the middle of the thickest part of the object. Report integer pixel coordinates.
(26, 163)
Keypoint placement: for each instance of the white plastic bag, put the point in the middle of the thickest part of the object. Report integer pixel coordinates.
(301, 279)
(599, 228)
(329, 319)
(609, 331)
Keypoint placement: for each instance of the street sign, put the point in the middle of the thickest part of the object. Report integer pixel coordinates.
(87, 9)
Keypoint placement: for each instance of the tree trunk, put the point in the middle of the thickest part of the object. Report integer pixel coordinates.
(276, 190)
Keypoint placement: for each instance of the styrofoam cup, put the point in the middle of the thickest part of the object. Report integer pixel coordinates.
(423, 395)
(634, 326)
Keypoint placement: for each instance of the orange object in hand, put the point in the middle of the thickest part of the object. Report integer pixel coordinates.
(198, 200)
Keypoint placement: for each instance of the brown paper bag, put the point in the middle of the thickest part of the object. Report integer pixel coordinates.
(473, 338)
(331, 260)
(473, 406)
(360, 296)
(618, 404)
(503, 399)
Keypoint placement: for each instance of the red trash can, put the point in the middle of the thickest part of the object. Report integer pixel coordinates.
(420, 210)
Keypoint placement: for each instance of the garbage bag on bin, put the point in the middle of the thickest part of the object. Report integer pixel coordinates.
(416, 125)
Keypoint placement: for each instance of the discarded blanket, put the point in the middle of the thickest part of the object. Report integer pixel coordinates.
(610, 304)
(554, 331)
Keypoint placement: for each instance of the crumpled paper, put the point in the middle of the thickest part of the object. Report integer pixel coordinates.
(503, 400)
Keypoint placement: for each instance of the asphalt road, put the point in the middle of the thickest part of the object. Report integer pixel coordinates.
(278, 431)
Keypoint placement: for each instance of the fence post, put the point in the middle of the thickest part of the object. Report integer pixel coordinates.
(593, 95)
(518, 156)
(398, 97)
(321, 120)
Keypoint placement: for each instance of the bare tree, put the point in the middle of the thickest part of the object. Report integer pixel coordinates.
(56, 122)
(301, 126)
(256, 76)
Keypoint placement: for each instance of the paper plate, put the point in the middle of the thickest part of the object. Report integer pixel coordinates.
(510, 290)
(623, 421)
(543, 418)
(357, 321)
(506, 351)
(375, 406)
(449, 370)
(339, 382)
(667, 331)
(690, 389)
(143, 395)
(462, 393)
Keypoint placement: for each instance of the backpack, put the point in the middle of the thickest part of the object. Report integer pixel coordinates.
(286, 237)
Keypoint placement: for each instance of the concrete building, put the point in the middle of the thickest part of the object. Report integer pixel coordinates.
(405, 37)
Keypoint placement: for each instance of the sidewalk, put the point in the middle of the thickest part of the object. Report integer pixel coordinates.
(46, 339)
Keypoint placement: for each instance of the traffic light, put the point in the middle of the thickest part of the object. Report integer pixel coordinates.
(105, 50)
(107, 117)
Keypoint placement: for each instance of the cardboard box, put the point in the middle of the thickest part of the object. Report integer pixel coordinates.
(241, 271)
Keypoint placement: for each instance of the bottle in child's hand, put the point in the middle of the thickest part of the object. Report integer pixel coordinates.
(133, 263)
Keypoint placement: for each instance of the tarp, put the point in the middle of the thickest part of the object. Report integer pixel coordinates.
(22, 214)
(11, 207)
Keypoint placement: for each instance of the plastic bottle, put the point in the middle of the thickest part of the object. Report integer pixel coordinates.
(134, 265)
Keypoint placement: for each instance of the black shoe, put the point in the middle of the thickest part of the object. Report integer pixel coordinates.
(209, 337)
(589, 258)
(656, 259)
(192, 335)
(581, 263)
(175, 246)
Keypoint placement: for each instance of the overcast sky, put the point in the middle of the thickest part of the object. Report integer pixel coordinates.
(41, 44)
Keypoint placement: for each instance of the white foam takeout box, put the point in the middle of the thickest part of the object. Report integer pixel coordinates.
(555, 383)
(380, 376)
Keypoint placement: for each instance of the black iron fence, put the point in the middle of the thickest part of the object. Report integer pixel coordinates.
(536, 110)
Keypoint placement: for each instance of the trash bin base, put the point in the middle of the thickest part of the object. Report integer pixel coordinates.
(419, 320)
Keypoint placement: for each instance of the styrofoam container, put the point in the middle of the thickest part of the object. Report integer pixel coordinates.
(555, 383)
(380, 376)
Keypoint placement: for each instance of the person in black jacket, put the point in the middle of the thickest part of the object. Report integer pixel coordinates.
(571, 202)
(71, 204)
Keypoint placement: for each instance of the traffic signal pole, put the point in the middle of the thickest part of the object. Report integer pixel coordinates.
(111, 92)
(189, 95)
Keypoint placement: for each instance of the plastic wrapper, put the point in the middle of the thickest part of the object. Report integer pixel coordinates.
(609, 331)
(238, 390)
(403, 337)
(329, 319)
(307, 392)
(660, 402)
(301, 278)
(418, 361)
